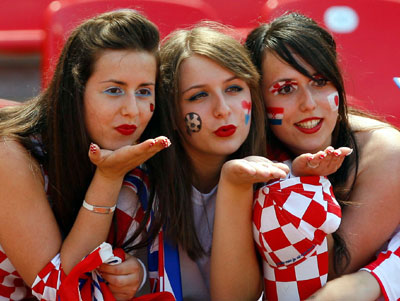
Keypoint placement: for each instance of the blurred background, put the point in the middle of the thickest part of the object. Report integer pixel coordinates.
(367, 32)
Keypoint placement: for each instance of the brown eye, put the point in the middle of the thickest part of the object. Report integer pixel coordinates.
(286, 89)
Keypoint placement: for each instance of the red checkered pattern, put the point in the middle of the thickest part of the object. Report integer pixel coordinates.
(11, 285)
(47, 282)
(386, 269)
(291, 219)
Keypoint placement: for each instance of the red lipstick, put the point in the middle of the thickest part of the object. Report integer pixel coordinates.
(126, 129)
(225, 131)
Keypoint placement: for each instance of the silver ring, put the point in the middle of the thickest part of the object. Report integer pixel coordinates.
(312, 165)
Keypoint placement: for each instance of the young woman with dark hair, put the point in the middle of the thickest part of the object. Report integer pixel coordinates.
(64, 154)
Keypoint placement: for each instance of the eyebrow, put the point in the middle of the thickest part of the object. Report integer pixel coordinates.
(118, 82)
(202, 85)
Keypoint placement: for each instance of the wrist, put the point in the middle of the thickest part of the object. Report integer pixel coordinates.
(99, 209)
(144, 274)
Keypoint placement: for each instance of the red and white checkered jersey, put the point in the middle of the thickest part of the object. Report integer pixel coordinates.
(129, 214)
(386, 269)
(291, 219)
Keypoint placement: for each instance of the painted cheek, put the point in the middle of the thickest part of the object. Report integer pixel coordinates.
(193, 122)
(275, 115)
(333, 100)
(151, 107)
(246, 105)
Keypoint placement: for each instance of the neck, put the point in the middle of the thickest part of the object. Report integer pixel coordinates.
(207, 173)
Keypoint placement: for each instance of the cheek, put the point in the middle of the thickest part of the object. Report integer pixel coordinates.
(333, 101)
(193, 122)
(246, 106)
(275, 115)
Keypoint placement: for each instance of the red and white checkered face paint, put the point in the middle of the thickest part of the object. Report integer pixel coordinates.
(279, 87)
(333, 100)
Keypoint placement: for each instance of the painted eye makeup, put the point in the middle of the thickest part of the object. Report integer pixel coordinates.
(197, 96)
(114, 91)
(319, 81)
(144, 92)
(283, 87)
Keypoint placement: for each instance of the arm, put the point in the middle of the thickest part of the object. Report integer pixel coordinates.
(235, 270)
(375, 197)
(359, 286)
(29, 232)
(381, 277)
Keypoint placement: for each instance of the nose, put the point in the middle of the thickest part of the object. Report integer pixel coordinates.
(221, 106)
(129, 106)
(307, 102)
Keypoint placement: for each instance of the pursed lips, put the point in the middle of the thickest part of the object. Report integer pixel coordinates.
(225, 131)
(126, 129)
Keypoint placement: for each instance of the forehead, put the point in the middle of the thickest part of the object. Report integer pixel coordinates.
(275, 68)
(201, 70)
(124, 63)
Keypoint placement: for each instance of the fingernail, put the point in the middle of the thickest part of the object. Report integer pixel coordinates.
(322, 156)
(166, 143)
(337, 153)
(310, 158)
(93, 148)
(152, 143)
(329, 151)
(351, 151)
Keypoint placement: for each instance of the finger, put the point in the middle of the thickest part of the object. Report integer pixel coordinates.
(120, 280)
(329, 150)
(129, 266)
(346, 151)
(94, 153)
(267, 171)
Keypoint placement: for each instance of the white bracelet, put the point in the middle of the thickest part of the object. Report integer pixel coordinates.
(98, 209)
(144, 274)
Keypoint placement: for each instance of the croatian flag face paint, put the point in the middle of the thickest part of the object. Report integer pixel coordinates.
(397, 81)
(333, 100)
(275, 115)
(247, 106)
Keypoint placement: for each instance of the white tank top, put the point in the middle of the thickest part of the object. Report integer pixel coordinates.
(196, 274)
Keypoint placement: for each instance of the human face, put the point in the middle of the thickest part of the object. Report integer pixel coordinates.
(119, 97)
(215, 106)
(302, 112)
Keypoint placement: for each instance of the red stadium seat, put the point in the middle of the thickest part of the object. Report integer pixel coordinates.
(62, 16)
(21, 27)
(367, 34)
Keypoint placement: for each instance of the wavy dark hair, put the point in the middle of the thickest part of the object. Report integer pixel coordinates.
(57, 114)
(294, 33)
(173, 168)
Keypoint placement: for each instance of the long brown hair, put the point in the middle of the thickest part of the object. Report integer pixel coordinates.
(173, 168)
(57, 114)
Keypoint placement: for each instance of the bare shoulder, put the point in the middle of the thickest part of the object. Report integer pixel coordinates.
(16, 164)
(374, 136)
